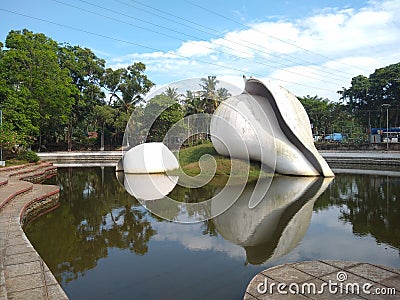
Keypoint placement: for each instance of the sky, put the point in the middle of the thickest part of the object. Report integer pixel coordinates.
(310, 47)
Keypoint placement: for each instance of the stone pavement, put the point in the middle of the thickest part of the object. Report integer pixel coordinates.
(363, 158)
(82, 158)
(325, 280)
(23, 274)
(356, 159)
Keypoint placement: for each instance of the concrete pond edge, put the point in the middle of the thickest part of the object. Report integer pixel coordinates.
(23, 273)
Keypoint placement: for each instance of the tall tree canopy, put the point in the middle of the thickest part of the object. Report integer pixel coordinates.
(50, 91)
(165, 112)
(86, 71)
(366, 96)
(36, 92)
(327, 117)
(127, 86)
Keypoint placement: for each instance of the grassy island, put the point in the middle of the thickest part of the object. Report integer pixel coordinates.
(191, 160)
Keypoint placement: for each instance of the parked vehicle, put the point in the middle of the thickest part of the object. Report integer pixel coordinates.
(334, 137)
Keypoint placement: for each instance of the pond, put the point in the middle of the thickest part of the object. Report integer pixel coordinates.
(101, 243)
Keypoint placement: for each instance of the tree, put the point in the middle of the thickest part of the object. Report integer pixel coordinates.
(327, 117)
(222, 94)
(165, 112)
(35, 88)
(385, 89)
(104, 115)
(172, 93)
(111, 81)
(127, 86)
(85, 70)
(20, 117)
(357, 96)
(320, 112)
(192, 104)
(365, 97)
(49, 89)
(209, 86)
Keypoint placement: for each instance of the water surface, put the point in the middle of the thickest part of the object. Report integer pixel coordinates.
(102, 244)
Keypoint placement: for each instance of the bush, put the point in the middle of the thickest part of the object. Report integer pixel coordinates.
(29, 156)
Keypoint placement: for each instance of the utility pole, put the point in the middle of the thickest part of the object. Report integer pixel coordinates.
(386, 105)
(2, 162)
(369, 126)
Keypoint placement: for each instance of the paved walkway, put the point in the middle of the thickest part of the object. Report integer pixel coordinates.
(110, 156)
(363, 159)
(364, 154)
(352, 160)
(78, 159)
(23, 274)
(325, 280)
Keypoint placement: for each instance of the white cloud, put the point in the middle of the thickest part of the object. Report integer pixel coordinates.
(188, 236)
(196, 48)
(349, 30)
(340, 43)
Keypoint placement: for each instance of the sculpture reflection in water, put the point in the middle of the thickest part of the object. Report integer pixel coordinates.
(278, 223)
(87, 229)
(149, 186)
(268, 231)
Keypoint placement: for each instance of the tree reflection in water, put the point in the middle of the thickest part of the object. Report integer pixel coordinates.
(97, 214)
(370, 203)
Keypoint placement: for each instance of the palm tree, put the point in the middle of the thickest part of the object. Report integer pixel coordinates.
(193, 104)
(222, 94)
(209, 86)
(172, 92)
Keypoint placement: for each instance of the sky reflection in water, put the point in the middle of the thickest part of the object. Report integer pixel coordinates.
(101, 243)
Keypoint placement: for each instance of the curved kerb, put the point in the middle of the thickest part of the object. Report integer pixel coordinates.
(23, 273)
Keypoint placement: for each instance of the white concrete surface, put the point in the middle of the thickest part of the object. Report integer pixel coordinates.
(149, 158)
(267, 124)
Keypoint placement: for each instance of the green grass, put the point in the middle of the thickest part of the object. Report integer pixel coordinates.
(189, 162)
(15, 162)
(192, 154)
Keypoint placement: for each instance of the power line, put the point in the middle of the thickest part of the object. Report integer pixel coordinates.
(273, 37)
(179, 32)
(158, 50)
(292, 58)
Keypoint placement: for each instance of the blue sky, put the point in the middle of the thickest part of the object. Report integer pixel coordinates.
(310, 47)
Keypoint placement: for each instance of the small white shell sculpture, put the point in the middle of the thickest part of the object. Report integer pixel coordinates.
(149, 158)
(273, 125)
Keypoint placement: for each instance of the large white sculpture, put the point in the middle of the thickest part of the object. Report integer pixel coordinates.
(274, 127)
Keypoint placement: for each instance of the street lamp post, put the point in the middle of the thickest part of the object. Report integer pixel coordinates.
(386, 105)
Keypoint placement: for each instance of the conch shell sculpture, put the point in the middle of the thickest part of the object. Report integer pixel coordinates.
(274, 127)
